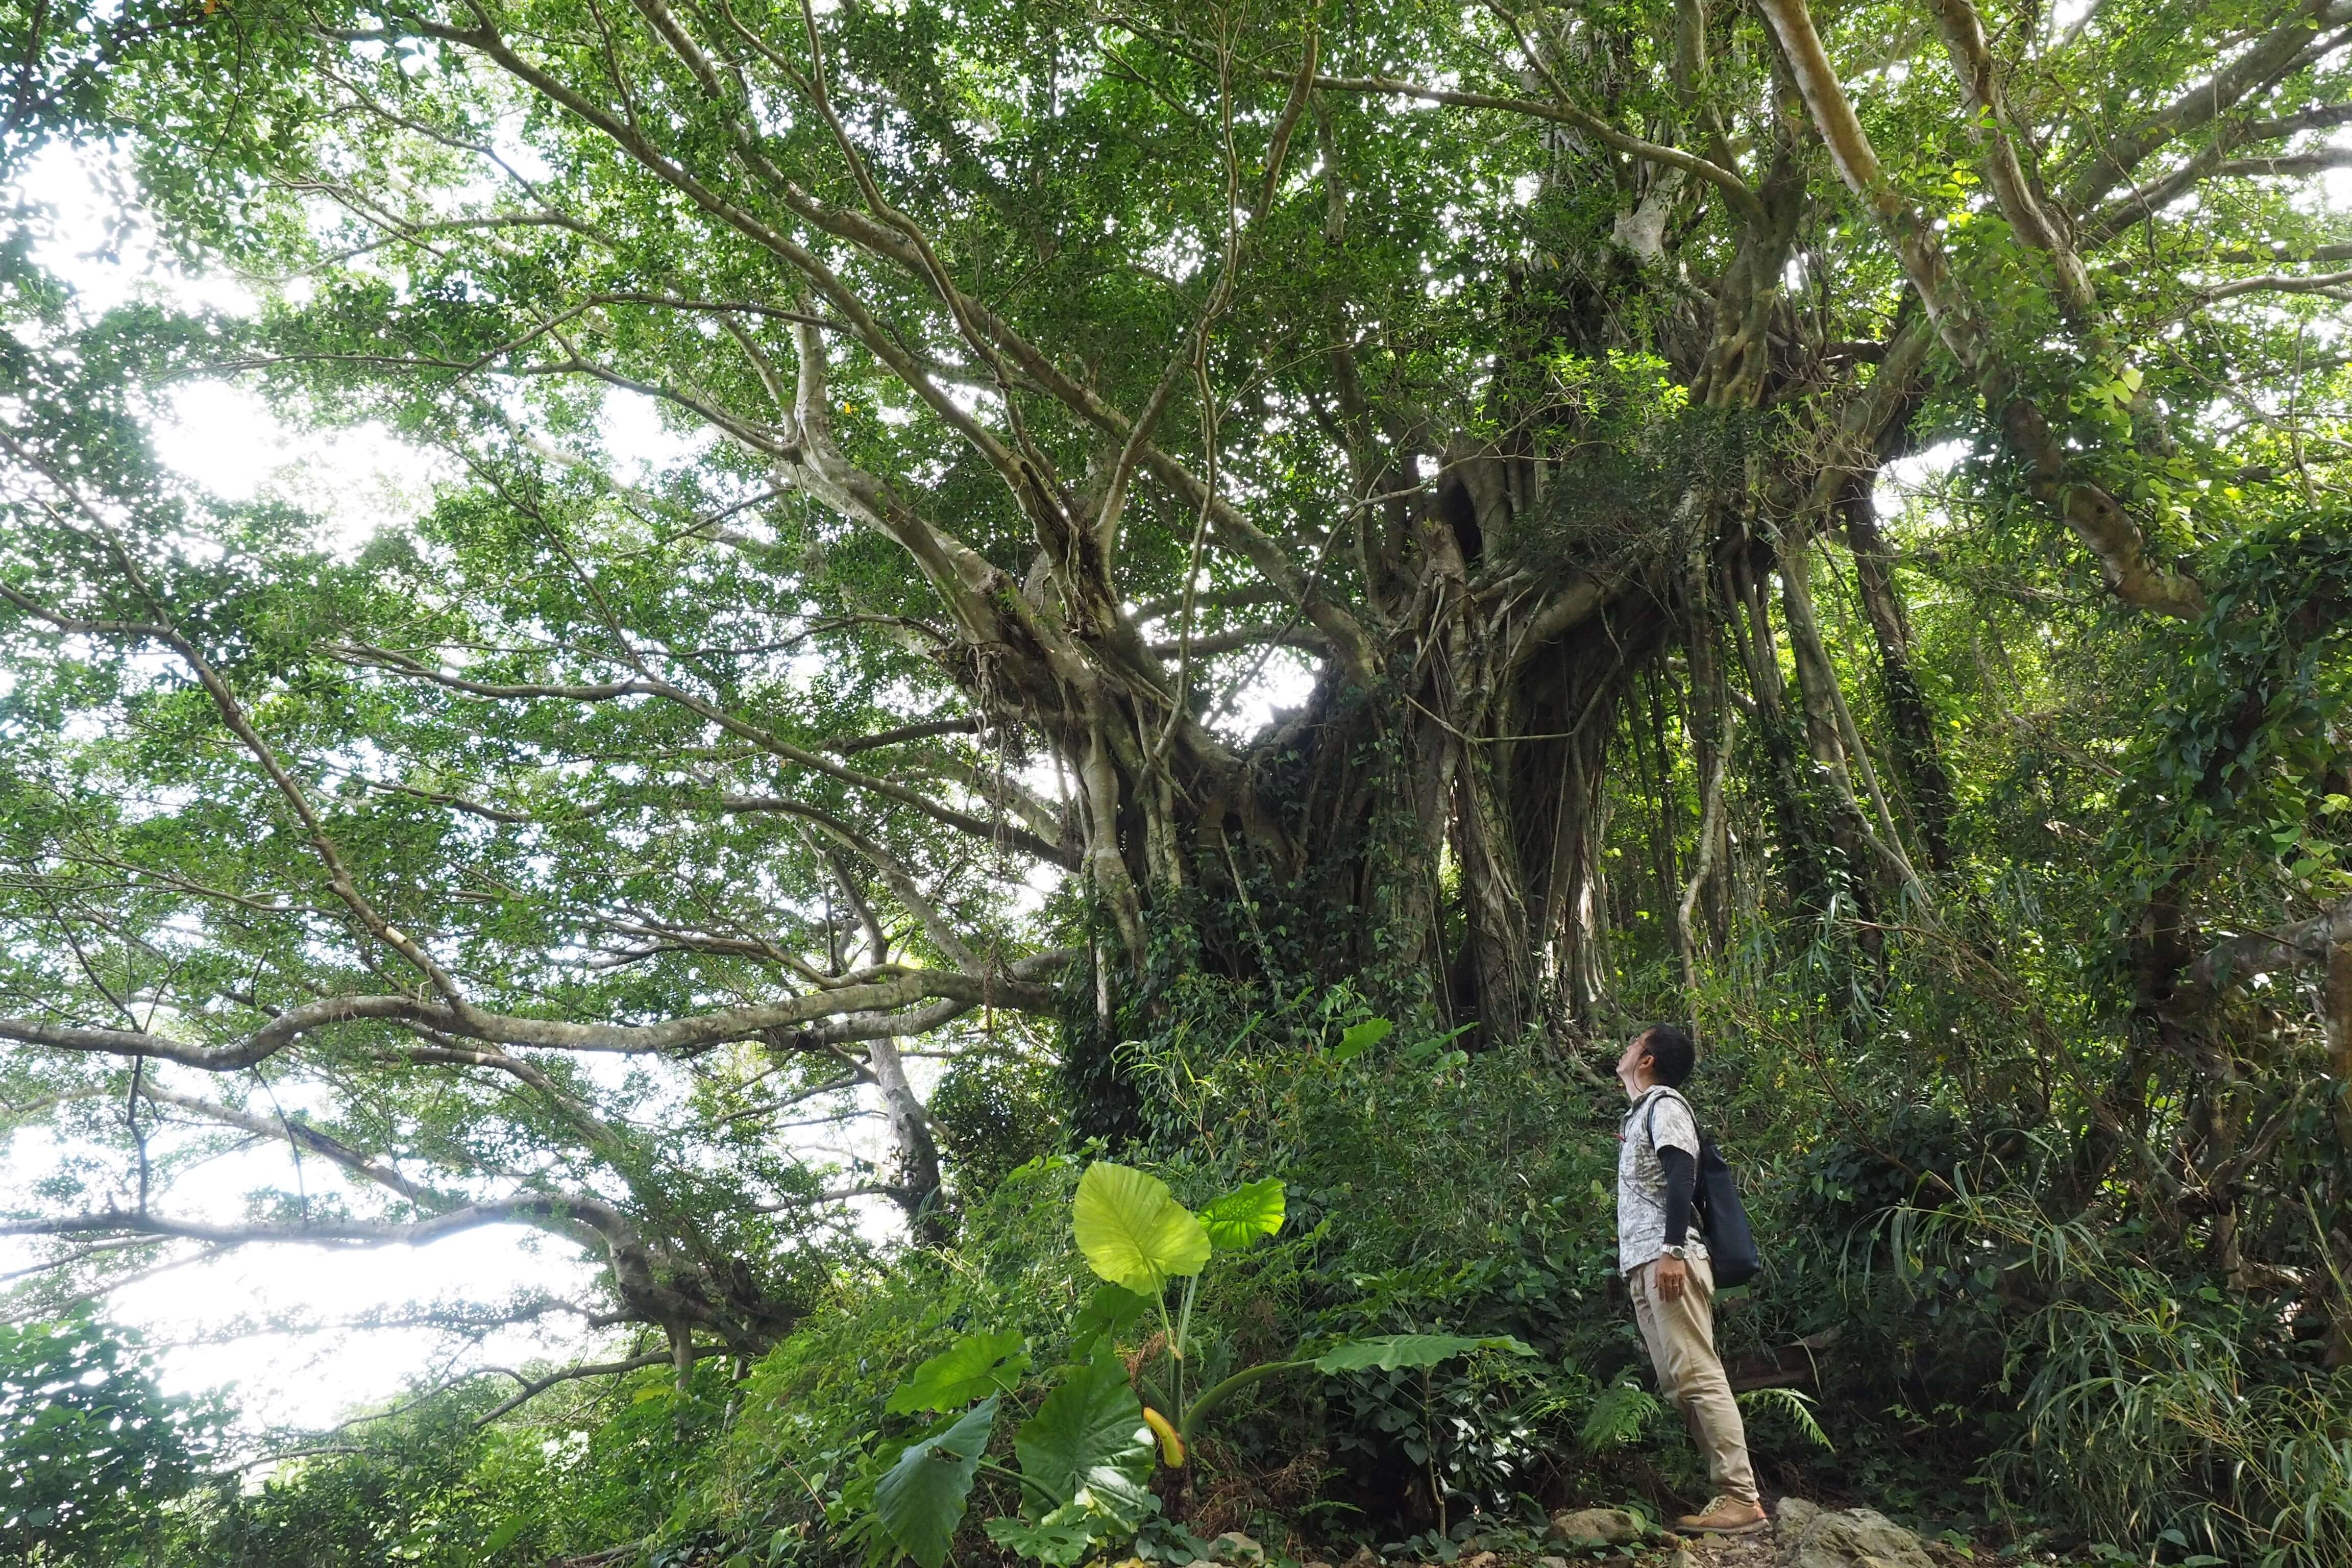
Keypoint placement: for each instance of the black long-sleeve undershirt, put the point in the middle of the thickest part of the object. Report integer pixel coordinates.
(1681, 1185)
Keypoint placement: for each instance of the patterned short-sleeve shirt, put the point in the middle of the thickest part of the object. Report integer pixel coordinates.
(1641, 1178)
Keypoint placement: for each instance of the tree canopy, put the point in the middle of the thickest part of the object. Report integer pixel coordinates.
(1825, 519)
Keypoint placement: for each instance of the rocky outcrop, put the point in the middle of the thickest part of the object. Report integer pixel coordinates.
(1814, 1537)
(1603, 1526)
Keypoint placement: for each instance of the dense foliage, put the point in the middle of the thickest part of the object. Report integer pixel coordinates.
(92, 1453)
(1828, 523)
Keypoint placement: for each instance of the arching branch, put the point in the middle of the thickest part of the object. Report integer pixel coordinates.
(1012, 990)
(2095, 516)
(533, 1388)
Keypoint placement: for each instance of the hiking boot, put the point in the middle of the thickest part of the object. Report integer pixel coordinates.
(1724, 1516)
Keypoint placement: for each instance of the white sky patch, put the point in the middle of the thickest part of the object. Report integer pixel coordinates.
(94, 240)
(223, 437)
(209, 1317)
(642, 444)
(1915, 478)
(212, 1320)
(1281, 687)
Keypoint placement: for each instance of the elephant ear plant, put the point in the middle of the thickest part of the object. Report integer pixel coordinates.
(1086, 1457)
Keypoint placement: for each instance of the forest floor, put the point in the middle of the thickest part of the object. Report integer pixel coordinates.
(1725, 1551)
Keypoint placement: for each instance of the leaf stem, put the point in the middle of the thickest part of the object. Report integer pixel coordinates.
(1218, 1393)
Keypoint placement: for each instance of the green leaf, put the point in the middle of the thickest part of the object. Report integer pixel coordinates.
(1387, 1352)
(1113, 1309)
(920, 1498)
(1088, 1444)
(1618, 1416)
(501, 1538)
(974, 1365)
(1243, 1215)
(1133, 1231)
(1060, 1545)
(1797, 1405)
(1361, 1037)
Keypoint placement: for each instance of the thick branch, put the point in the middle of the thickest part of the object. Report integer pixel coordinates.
(2233, 962)
(850, 745)
(2097, 518)
(2275, 54)
(1988, 122)
(350, 1234)
(302, 1136)
(766, 739)
(533, 1388)
(698, 1032)
(2211, 162)
(2281, 283)
(1735, 189)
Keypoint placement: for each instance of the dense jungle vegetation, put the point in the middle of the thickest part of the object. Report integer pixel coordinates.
(1826, 521)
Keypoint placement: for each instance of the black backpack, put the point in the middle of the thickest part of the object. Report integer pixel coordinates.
(1722, 1217)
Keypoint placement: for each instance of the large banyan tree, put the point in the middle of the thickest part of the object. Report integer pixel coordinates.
(1052, 380)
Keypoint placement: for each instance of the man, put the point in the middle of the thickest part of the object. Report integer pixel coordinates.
(1664, 1263)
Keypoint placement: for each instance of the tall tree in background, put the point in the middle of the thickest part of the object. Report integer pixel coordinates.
(1519, 376)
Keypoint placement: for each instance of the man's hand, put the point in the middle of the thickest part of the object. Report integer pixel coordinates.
(1672, 1272)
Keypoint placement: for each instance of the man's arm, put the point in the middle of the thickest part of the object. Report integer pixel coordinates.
(1681, 1190)
(1681, 1185)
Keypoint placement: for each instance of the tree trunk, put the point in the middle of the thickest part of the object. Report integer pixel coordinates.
(1918, 758)
(912, 1176)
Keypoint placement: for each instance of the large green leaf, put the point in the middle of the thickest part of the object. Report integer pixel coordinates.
(973, 1365)
(1133, 1231)
(1243, 1215)
(1387, 1352)
(1113, 1309)
(1088, 1444)
(1056, 1545)
(920, 1498)
(1361, 1037)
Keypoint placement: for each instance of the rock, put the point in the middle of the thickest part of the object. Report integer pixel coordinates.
(1680, 1557)
(1315, 1562)
(1477, 1559)
(1240, 1550)
(1602, 1526)
(1365, 1557)
(1815, 1537)
(1551, 1563)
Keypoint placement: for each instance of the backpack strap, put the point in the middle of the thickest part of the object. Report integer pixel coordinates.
(1650, 1121)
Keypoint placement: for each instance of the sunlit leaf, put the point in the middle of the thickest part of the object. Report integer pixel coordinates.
(1243, 1215)
(1056, 1545)
(1132, 1230)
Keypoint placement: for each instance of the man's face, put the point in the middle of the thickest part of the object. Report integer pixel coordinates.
(1629, 1066)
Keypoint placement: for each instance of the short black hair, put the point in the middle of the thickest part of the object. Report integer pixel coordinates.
(1669, 1048)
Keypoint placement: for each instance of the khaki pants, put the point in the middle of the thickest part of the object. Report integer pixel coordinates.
(1681, 1337)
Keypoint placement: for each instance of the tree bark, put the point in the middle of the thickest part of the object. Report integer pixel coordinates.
(913, 1177)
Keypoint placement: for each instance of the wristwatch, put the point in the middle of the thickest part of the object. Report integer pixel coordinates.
(1678, 1252)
